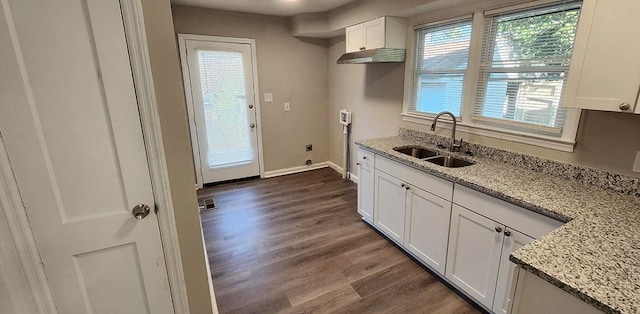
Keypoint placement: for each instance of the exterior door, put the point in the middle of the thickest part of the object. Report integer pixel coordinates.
(70, 122)
(222, 93)
(475, 244)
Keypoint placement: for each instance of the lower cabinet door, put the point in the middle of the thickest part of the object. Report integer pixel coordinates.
(389, 205)
(513, 240)
(427, 227)
(475, 244)
(365, 192)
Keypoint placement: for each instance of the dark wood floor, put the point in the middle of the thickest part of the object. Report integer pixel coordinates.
(295, 244)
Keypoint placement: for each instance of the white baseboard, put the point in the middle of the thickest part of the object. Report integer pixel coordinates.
(320, 165)
(283, 172)
(335, 167)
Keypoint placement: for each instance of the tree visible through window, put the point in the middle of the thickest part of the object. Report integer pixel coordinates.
(524, 67)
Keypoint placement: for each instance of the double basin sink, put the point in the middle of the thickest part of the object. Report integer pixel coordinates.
(433, 157)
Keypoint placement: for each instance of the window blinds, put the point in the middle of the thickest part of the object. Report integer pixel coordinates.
(442, 54)
(524, 66)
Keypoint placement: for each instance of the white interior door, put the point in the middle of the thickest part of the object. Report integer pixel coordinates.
(221, 90)
(70, 121)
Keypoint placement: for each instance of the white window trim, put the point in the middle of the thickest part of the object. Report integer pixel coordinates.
(566, 142)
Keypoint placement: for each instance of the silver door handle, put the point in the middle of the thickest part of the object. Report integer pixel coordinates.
(140, 211)
(252, 125)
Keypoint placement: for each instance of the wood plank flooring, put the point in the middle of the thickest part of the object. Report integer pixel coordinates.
(295, 244)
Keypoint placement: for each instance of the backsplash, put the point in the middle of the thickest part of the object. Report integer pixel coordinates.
(608, 180)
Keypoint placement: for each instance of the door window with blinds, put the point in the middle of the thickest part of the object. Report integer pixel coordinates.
(524, 67)
(442, 57)
(504, 72)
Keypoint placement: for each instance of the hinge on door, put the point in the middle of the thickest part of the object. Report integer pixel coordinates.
(156, 208)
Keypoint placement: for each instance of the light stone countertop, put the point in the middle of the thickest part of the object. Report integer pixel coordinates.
(595, 256)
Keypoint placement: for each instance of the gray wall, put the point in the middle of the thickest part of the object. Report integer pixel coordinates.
(165, 66)
(606, 140)
(293, 69)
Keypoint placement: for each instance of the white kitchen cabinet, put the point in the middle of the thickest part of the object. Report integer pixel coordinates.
(513, 240)
(475, 244)
(389, 205)
(365, 191)
(427, 227)
(533, 295)
(383, 32)
(605, 68)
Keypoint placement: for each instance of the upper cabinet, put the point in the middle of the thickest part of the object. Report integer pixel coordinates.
(383, 32)
(605, 66)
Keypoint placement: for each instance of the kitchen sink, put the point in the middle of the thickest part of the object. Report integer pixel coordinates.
(418, 152)
(449, 162)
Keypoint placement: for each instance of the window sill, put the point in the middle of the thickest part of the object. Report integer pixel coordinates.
(502, 134)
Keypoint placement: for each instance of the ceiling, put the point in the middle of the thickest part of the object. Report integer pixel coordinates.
(269, 7)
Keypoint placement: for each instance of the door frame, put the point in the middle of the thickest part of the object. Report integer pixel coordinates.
(182, 43)
(22, 237)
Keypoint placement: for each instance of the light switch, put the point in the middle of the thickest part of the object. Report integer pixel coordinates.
(636, 165)
(287, 106)
(268, 97)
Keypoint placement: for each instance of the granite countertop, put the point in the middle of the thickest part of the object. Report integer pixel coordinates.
(595, 256)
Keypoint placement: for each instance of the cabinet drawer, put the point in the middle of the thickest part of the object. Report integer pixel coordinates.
(415, 177)
(365, 157)
(516, 217)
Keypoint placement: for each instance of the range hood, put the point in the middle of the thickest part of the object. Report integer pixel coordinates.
(382, 55)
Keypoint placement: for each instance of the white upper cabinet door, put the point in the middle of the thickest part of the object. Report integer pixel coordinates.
(365, 191)
(355, 38)
(374, 33)
(475, 244)
(605, 68)
(427, 230)
(389, 206)
(71, 126)
(513, 241)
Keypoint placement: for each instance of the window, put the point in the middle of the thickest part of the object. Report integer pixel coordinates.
(442, 57)
(523, 68)
(505, 80)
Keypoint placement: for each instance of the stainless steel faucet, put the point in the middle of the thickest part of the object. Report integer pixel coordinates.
(453, 147)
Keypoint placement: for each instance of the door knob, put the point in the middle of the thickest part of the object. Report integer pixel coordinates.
(140, 211)
(250, 106)
(252, 125)
(625, 106)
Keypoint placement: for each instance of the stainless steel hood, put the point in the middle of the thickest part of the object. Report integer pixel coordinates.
(382, 55)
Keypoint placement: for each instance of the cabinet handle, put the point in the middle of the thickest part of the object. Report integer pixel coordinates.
(364, 157)
(498, 229)
(363, 48)
(402, 185)
(625, 106)
(507, 233)
(357, 164)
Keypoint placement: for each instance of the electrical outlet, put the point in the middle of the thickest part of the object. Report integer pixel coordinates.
(287, 106)
(636, 165)
(268, 97)
(309, 147)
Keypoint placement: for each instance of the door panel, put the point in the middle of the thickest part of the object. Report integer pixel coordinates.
(514, 241)
(427, 231)
(222, 93)
(72, 130)
(374, 33)
(474, 254)
(365, 192)
(390, 205)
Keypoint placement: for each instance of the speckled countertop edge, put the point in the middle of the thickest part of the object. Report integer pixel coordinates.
(567, 257)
